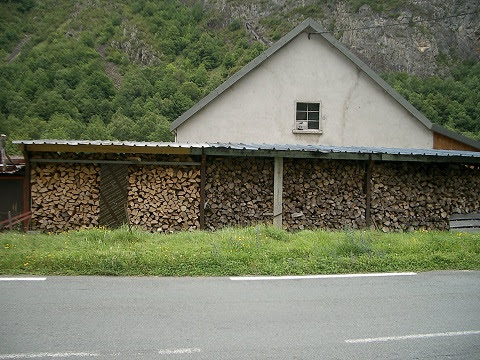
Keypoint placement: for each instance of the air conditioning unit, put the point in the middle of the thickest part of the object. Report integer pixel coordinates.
(302, 125)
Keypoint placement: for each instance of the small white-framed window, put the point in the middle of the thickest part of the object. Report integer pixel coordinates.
(308, 117)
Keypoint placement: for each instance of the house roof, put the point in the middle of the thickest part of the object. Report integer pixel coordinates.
(311, 27)
(259, 150)
(13, 165)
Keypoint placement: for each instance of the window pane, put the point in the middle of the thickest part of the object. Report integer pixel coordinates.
(313, 116)
(314, 125)
(301, 115)
(302, 106)
(313, 107)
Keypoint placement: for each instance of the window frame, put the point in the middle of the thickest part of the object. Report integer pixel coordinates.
(320, 118)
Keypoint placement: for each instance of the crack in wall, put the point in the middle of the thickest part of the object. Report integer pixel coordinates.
(346, 105)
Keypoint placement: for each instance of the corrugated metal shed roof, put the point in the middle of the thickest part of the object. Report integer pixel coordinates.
(342, 149)
(250, 149)
(103, 143)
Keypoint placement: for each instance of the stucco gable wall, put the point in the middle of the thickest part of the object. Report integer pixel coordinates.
(260, 108)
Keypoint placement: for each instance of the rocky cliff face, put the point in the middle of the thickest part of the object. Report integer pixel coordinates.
(421, 37)
(420, 45)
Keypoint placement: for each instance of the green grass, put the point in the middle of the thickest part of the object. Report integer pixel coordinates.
(243, 251)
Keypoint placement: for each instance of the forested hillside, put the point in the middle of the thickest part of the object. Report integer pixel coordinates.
(92, 69)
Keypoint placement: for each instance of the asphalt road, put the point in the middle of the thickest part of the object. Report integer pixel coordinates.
(425, 316)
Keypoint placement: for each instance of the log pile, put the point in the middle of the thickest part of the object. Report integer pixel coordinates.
(239, 192)
(64, 196)
(323, 194)
(164, 198)
(410, 196)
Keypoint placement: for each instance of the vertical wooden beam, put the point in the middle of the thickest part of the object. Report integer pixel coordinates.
(9, 226)
(27, 206)
(3, 151)
(278, 192)
(368, 193)
(202, 191)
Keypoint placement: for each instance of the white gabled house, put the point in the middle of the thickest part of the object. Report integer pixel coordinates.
(309, 89)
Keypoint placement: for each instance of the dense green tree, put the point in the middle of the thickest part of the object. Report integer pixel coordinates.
(200, 76)
(166, 87)
(161, 130)
(15, 103)
(191, 90)
(48, 103)
(206, 52)
(62, 126)
(96, 129)
(9, 124)
(452, 102)
(136, 88)
(122, 128)
(25, 5)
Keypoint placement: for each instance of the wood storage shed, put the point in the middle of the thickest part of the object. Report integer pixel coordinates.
(174, 186)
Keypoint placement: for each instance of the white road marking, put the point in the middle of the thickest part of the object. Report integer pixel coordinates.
(22, 279)
(64, 355)
(179, 351)
(301, 277)
(47, 355)
(411, 337)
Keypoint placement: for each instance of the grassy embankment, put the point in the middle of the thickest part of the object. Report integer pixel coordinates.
(252, 251)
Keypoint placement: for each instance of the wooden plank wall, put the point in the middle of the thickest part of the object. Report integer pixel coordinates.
(442, 142)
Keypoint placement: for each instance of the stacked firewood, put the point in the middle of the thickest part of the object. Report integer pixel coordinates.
(164, 198)
(323, 194)
(239, 191)
(64, 196)
(409, 196)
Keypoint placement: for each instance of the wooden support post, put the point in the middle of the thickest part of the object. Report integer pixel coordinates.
(202, 191)
(3, 151)
(27, 198)
(368, 193)
(278, 192)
